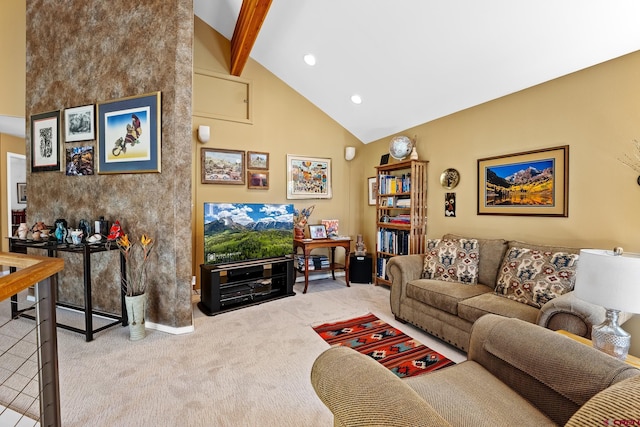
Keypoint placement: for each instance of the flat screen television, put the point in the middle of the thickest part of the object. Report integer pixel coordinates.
(236, 232)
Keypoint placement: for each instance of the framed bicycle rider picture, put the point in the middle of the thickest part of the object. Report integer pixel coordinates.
(129, 135)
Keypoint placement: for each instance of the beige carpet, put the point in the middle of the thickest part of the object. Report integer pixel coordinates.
(248, 367)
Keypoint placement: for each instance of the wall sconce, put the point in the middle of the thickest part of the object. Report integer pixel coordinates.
(204, 133)
(349, 153)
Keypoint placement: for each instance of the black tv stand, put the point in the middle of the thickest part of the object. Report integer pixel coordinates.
(234, 285)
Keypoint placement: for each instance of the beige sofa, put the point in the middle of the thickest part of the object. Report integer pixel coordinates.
(517, 374)
(448, 310)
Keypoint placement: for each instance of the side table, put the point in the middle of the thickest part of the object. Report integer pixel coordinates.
(307, 245)
(85, 250)
(631, 360)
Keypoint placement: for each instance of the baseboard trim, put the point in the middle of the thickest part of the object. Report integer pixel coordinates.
(169, 329)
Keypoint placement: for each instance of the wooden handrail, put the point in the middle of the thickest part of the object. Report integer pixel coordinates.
(33, 269)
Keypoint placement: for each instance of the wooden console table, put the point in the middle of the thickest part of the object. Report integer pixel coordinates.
(308, 245)
(85, 249)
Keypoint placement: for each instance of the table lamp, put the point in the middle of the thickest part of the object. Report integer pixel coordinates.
(610, 279)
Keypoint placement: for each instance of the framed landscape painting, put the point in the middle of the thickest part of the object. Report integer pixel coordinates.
(257, 160)
(528, 183)
(308, 177)
(222, 166)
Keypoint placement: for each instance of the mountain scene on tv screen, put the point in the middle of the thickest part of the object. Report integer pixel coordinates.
(246, 231)
(528, 184)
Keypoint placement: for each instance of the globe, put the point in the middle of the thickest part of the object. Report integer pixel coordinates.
(400, 147)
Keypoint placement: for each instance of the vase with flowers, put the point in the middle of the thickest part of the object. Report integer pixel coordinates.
(136, 255)
(300, 220)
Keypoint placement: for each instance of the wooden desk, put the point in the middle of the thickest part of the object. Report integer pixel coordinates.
(631, 360)
(308, 245)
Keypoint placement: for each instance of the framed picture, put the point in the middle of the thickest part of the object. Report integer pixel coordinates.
(318, 231)
(79, 124)
(258, 180)
(332, 226)
(45, 142)
(22, 192)
(528, 183)
(129, 135)
(372, 185)
(222, 166)
(384, 159)
(256, 160)
(79, 161)
(308, 177)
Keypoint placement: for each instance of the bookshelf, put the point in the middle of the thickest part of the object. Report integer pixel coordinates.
(401, 213)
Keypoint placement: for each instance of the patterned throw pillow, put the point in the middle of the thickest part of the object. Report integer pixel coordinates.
(534, 277)
(452, 260)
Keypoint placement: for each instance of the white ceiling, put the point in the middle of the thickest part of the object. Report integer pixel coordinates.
(413, 61)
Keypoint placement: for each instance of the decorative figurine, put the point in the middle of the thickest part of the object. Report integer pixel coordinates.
(22, 231)
(85, 227)
(361, 249)
(61, 230)
(115, 232)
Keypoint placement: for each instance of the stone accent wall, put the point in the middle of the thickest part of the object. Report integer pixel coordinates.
(83, 52)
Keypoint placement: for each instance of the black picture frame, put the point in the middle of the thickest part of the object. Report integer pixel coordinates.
(45, 142)
(384, 159)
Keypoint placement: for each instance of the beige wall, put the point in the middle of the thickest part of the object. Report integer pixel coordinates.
(12, 66)
(595, 111)
(8, 144)
(283, 123)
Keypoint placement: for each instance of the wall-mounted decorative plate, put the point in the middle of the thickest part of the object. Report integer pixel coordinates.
(450, 178)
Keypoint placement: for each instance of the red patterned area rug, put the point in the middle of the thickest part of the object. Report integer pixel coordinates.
(395, 350)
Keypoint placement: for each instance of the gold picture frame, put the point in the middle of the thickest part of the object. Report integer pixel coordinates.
(532, 183)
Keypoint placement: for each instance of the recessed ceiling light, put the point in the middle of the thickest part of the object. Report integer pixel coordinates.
(356, 99)
(310, 59)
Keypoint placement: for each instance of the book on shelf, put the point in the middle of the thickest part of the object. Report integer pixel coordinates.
(403, 203)
(394, 242)
(392, 184)
(381, 270)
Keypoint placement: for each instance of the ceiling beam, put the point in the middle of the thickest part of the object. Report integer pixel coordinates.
(252, 15)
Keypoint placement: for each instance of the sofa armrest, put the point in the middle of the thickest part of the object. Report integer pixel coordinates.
(401, 270)
(572, 314)
(361, 392)
(555, 373)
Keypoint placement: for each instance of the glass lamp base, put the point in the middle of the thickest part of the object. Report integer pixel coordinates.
(610, 338)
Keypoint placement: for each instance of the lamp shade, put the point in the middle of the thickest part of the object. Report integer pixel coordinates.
(609, 280)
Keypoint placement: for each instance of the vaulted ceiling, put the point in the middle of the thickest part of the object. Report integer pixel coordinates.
(413, 61)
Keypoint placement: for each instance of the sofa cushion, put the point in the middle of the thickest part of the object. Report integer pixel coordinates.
(533, 277)
(473, 308)
(443, 295)
(491, 254)
(468, 395)
(452, 260)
